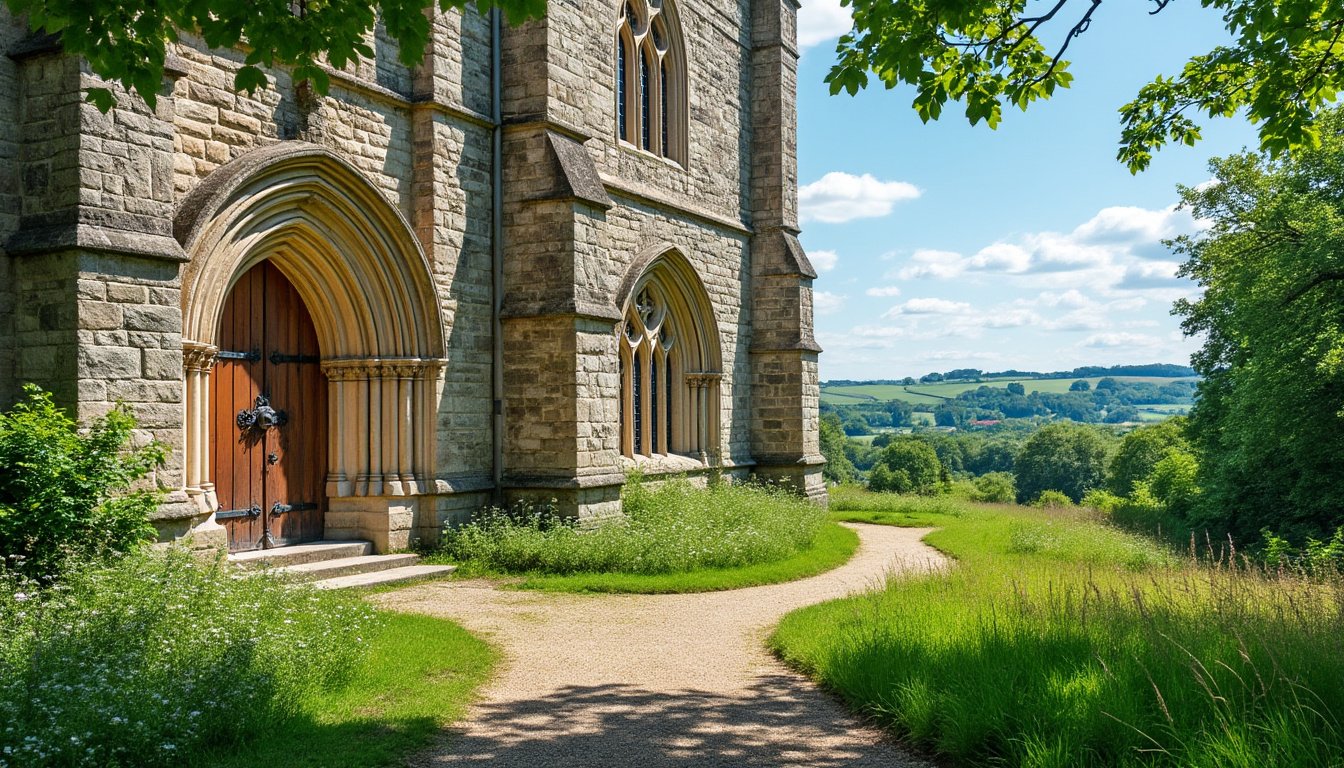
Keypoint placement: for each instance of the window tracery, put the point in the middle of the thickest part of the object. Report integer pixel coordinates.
(669, 390)
(650, 90)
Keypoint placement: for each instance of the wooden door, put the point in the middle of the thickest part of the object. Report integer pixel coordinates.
(268, 416)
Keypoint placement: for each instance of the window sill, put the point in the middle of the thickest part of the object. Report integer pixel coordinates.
(667, 463)
(639, 151)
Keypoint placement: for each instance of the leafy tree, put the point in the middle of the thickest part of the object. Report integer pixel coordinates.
(1173, 482)
(1068, 458)
(1016, 388)
(1080, 385)
(1267, 424)
(67, 493)
(912, 466)
(126, 40)
(1122, 414)
(1140, 451)
(1282, 66)
(948, 416)
(839, 468)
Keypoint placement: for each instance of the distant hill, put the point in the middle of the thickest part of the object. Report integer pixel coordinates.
(1154, 370)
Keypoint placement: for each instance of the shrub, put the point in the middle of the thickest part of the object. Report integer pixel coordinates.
(995, 488)
(1173, 482)
(1102, 501)
(672, 528)
(1052, 500)
(147, 661)
(64, 493)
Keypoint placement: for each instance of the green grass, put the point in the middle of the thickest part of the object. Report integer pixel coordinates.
(419, 675)
(832, 548)
(1058, 640)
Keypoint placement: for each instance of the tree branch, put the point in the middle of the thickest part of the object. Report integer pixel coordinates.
(1321, 279)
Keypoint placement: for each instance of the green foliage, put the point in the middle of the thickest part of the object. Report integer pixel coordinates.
(1140, 451)
(66, 494)
(911, 466)
(1102, 501)
(839, 469)
(1056, 640)
(158, 656)
(673, 527)
(1267, 426)
(1080, 385)
(1068, 458)
(126, 41)
(1279, 66)
(996, 488)
(1052, 500)
(1173, 482)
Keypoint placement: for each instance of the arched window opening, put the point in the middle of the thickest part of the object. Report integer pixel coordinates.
(669, 378)
(650, 79)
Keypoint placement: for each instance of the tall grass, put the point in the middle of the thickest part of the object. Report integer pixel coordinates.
(672, 527)
(1057, 640)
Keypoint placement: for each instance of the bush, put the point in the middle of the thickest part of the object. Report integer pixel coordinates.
(66, 494)
(147, 661)
(1052, 500)
(673, 528)
(1102, 501)
(995, 488)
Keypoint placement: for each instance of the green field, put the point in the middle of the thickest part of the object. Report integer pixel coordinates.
(933, 394)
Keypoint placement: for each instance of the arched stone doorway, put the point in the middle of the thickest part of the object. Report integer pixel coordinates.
(353, 261)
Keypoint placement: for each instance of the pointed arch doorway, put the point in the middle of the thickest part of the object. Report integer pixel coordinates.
(270, 466)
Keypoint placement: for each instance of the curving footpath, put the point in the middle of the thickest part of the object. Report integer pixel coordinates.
(659, 680)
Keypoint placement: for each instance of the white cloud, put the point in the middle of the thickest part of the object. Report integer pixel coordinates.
(929, 307)
(929, 263)
(1114, 340)
(824, 261)
(883, 291)
(1153, 275)
(838, 197)
(821, 20)
(827, 303)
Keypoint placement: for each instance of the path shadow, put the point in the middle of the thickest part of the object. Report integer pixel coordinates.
(779, 721)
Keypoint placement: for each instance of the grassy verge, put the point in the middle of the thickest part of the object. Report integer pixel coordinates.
(673, 537)
(833, 546)
(1058, 640)
(418, 675)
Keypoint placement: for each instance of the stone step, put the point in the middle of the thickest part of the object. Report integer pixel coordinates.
(299, 554)
(346, 566)
(403, 575)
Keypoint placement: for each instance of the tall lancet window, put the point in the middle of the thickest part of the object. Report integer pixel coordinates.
(668, 366)
(651, 79)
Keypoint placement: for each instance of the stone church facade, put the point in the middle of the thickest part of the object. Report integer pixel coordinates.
(548, 255)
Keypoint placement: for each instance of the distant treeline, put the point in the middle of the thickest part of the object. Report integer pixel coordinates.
(1165, 370)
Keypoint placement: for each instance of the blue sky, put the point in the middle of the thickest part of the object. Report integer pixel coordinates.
(945, 246)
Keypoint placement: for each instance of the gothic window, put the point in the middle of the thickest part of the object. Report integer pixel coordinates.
(669, 378)
(650, 79)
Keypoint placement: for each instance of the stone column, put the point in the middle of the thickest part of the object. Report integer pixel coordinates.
(784, 384)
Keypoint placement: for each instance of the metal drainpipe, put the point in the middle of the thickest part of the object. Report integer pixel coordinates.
(496, 257)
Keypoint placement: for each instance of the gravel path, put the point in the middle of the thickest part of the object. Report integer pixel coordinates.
(659, 680)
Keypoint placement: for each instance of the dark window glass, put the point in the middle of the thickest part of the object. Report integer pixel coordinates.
(653, 407)
(622, 90)
(668, 408)
(645, 98)
(637, 390)
(663, 107)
